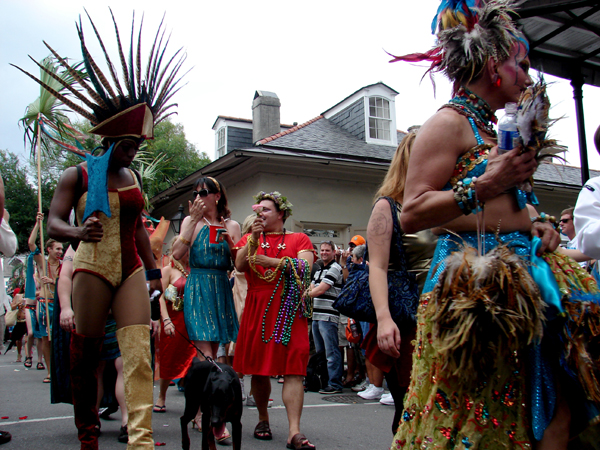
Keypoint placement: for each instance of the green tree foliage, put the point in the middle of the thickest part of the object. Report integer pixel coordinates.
(21, 198)
(181, 158)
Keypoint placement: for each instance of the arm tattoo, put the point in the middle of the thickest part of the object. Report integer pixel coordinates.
(380, 224)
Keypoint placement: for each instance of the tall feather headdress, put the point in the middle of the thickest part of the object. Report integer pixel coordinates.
(470, 32)
(132, 106)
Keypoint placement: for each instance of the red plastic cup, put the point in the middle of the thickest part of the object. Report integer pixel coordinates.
(212, 233)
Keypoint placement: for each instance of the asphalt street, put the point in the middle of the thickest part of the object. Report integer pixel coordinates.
(349, 422)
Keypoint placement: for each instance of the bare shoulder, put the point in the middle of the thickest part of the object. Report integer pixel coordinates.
(232, 225)
(69, 176)
(446, 130)
(380, 222)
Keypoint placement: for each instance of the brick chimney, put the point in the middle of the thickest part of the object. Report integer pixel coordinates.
(265, 115)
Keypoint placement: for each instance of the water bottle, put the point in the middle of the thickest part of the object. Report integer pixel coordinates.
(508, 135)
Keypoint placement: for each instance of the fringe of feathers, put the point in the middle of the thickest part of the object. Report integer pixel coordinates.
(483, 308)
(581, 334)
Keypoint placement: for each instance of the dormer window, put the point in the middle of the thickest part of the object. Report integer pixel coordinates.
(221, 142)
(379, 118)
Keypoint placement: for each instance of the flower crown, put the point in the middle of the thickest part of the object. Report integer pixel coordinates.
(280, 200)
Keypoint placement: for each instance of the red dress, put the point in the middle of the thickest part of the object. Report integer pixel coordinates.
(174, 352)
(252, 355)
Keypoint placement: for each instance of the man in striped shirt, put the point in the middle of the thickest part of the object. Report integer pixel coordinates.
(325, 288)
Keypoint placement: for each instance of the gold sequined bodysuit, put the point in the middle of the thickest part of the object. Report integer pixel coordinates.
(115, 257)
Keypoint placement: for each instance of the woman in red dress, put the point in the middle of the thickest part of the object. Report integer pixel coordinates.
(175, 353)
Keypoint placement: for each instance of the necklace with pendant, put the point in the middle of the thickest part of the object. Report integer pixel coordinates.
(265, 245)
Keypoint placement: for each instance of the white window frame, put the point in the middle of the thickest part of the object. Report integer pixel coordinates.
(221, 141)
(381, 118)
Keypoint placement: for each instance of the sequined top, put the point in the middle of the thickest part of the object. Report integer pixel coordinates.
(473, 163)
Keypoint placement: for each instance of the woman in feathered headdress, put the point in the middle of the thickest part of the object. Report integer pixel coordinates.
(107, 198)
(479, 312)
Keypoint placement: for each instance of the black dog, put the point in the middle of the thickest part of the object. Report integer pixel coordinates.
(216, 390)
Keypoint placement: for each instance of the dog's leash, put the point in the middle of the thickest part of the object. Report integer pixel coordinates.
(208, 358)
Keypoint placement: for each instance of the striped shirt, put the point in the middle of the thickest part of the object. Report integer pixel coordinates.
(323, 305)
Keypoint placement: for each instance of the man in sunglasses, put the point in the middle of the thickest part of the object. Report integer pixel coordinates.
(567, 227)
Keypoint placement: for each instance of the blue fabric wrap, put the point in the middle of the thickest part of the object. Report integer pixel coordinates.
(97, 193)
(29, 281)
(543, 276)
(540, 376)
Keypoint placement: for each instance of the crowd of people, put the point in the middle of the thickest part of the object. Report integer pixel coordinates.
(475, 349)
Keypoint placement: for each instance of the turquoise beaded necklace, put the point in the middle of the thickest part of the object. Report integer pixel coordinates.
(475, 108)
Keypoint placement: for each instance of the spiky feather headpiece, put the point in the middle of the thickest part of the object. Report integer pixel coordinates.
(103, 105)
(470, 33)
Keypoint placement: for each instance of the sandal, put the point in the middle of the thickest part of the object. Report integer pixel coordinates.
(160, 409)
(27, 362)
(263, 431)
(223, 440)
(300, 442)
(197, 423)
(47, 380)
(40, 366)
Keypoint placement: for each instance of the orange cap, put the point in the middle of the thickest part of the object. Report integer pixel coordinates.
(358, 240)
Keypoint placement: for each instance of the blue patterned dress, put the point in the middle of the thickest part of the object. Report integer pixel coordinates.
(208, 309)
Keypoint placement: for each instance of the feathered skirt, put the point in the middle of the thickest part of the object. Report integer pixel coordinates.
(480, 376)
(457, 399)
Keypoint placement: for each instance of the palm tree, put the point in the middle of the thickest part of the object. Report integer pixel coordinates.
(47, 110)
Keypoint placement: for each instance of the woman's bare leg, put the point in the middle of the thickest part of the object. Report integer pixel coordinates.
(208, 348)
(100, 372)
(556, 436)
(120, 391)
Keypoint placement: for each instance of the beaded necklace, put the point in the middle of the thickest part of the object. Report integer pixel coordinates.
(474, 107)
(265, 245)
(293, 300)
(179, 266)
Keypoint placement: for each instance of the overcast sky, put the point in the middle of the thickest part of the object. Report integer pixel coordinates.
(312, 54)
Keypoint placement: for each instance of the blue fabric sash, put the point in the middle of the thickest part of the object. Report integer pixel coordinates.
(97, 193)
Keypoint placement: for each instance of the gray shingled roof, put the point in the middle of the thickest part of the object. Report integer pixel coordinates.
(324, 137)
(561, 174)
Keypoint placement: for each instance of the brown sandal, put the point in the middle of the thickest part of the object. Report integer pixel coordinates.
(263, 431)
(300, 442)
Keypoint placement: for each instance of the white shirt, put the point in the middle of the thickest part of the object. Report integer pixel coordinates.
(8, 246)
(587, 219)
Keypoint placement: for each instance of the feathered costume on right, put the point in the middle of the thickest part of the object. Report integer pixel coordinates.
(497, 330)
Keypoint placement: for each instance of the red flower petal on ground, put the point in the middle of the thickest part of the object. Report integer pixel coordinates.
(4, 417)
(23, 418)
(160, 444)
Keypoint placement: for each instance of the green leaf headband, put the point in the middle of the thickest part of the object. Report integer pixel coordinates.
(281, 201)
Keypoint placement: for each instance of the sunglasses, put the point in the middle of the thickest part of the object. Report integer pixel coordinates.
(202, 193)
(564, 220)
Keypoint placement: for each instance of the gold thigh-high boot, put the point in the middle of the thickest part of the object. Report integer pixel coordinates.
(134, 343)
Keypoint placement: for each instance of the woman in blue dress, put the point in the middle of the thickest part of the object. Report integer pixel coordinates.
(209, 311)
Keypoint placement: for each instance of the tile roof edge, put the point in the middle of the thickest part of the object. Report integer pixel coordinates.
(291, 130)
